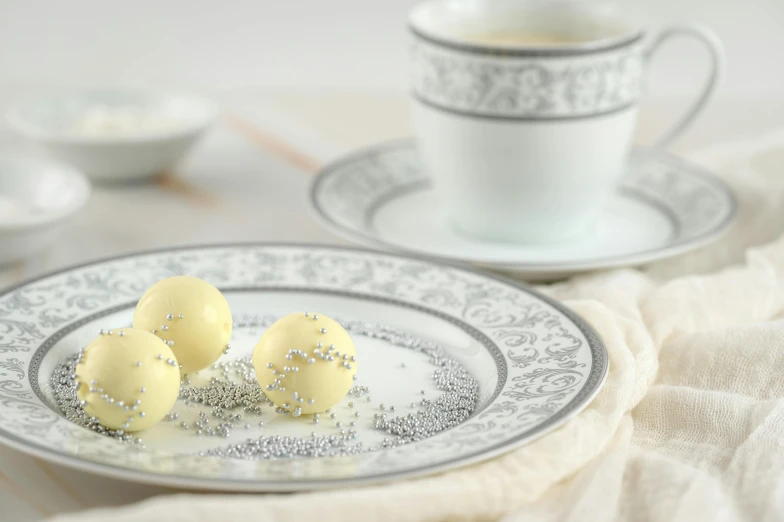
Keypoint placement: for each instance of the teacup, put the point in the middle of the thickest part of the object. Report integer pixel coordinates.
(525, 111)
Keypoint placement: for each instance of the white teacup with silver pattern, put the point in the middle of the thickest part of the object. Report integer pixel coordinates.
(524, 112)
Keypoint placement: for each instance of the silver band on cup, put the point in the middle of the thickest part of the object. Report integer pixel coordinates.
(524, 86)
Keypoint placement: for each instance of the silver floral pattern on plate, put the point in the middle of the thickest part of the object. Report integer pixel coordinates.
(547, 363)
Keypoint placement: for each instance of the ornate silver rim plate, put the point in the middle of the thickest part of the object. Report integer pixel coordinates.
(537, 362)
(382, 197)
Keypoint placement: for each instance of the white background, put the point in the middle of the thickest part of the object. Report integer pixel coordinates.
(317, 44)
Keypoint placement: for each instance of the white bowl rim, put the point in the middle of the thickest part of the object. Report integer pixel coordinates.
(80, 181)
(16, 120)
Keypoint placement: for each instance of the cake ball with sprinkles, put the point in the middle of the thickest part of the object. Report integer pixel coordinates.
(128, 379)
(305, 363)
(191, 316)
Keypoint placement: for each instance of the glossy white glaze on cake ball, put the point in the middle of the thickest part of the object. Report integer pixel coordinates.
(305, 363)
(128, 379)
(191, 316)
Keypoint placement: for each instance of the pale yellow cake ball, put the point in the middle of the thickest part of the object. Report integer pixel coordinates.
(305, 363)
(191, 316)
(128, 379)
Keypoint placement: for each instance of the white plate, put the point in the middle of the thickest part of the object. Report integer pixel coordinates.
(36, 198)
(382, 197)
(537, 363)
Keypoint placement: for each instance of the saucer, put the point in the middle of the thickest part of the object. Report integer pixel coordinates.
(382, 197)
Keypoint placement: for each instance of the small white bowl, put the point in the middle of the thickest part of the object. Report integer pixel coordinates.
(114, 135)
(36, 197)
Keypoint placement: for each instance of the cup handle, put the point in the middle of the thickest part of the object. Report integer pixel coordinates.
(716, 50)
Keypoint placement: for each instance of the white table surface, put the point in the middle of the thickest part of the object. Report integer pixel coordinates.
(247, 181)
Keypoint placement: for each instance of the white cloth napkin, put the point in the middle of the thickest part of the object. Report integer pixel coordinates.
(689, 426)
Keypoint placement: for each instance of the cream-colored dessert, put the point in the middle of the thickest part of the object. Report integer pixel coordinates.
(128, 379)
(191, 316)
(305, 363)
